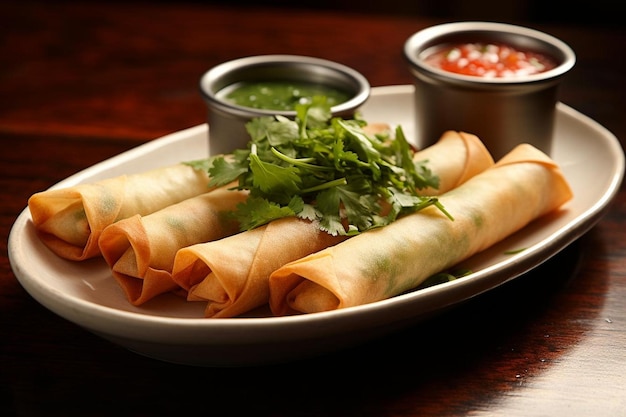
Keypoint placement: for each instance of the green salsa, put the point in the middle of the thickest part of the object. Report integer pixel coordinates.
(281, 95)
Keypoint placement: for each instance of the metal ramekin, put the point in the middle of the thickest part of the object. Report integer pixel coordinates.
(227, 120)
(503, 112)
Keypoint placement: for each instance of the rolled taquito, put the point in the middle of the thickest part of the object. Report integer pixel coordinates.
(140, 249)
(455, 158)
(70, 220)
(388, 261)
(231, 274)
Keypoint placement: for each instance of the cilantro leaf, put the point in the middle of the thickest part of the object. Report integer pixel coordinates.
(223, 172)
(309, 212)
(255, 212)
(274, 179)
(324, 169)
(201, 164)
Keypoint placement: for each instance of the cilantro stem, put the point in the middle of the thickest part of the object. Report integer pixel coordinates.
(432, 201)
(443, 209)
(329, 184)
(302, 162)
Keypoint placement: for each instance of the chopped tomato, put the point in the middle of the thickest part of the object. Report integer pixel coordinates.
(489, 60)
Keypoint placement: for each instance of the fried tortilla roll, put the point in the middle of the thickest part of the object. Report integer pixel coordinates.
(388, 261)
(140, 250)
(232, 274)
(69, 221)
(461, 154)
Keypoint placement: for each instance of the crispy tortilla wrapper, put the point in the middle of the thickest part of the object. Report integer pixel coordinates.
(463, 151)
(388, 261)
(69, 221)
(232, 274)
(140, 249)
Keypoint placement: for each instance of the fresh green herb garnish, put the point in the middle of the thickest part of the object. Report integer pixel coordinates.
(327, 169)
(514, 251)
(443, 277)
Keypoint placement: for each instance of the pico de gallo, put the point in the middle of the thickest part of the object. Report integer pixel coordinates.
(489, 60)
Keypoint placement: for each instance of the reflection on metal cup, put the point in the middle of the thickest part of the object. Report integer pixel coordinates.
(502, 111)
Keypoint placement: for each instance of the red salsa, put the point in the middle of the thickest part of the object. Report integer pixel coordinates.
(489, 60)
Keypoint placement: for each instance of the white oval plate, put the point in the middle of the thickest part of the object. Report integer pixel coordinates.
(171, 329)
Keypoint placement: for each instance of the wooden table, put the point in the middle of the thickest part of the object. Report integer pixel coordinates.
(80, 83)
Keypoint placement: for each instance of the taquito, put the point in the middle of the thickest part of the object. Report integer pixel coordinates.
(69, 221)
(455, 158)
(140, 249)
(231, 274)
(381, 263)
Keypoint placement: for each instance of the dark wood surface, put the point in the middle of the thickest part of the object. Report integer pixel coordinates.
(80, 83)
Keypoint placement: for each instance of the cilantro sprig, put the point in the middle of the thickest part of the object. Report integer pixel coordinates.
(324, 169)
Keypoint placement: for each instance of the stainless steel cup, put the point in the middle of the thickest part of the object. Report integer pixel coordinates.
(227, 121)
(503, 112)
